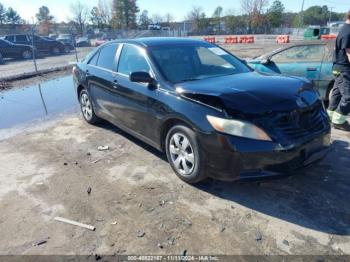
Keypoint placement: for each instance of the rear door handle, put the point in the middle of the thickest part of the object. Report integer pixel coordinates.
(115, 84)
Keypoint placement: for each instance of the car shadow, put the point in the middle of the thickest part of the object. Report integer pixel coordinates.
(316, 197)
(106, 125)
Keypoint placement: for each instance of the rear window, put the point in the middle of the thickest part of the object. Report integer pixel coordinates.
(93, 60)
(10, 38)
(21, 38)
(106, 58)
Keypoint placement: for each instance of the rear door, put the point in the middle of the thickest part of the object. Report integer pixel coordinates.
(102, 83)
(304, 61)
(21, 39)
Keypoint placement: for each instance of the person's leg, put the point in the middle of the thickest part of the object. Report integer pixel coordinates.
(340, 115)
(334, 99)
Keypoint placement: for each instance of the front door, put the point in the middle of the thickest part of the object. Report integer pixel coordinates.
(304, 61)
(136, 99)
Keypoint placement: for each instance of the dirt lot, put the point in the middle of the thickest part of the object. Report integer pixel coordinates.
(139, 206)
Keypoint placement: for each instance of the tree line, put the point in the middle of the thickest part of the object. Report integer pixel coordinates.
(257, 16)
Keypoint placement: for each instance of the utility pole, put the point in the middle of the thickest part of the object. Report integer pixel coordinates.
(33, 46)
(302, 13)
(301, 16)
(330, 15)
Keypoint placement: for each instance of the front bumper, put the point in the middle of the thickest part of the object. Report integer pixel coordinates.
(232, 158)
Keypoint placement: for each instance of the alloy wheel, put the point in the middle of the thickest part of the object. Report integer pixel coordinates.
(27, 54)
(56, 50)
(86, 107)
(182, 154)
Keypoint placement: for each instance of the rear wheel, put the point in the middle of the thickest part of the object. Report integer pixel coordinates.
(87, 108)
(27, 54)
(183, 154)
(55, 51)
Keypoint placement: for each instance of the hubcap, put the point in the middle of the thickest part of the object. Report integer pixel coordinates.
(86, 106)
(181, 153)
(27, 55)
(56, 50)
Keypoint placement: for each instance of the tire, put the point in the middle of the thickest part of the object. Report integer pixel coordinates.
(329, 95)
(86, 108)
(27, 54)
(184, 154)
(67, 49)
(1, 59)
(56, 51)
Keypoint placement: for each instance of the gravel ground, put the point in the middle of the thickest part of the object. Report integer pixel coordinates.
(139, 206)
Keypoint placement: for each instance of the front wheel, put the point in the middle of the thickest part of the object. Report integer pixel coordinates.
(184, 156)
(87, 108)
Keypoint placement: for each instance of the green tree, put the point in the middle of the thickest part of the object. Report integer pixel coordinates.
(2, 14)
(44, 15)
(217, 18)
(12, 17)
(144, 20)
(275, 14)
(316, 15)
(124, 14)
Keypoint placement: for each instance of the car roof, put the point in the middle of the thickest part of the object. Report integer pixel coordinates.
(158, 41)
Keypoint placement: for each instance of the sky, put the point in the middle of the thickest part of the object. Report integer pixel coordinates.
(178, 8)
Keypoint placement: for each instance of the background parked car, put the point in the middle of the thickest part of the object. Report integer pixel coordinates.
(42, 45)
(10, 50)
(83, 42)
(53, 36)
(68, 40)
(312, 60)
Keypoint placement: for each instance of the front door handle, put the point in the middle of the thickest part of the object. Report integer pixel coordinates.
(312, 69)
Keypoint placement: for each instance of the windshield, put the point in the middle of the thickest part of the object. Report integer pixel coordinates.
(189, 63)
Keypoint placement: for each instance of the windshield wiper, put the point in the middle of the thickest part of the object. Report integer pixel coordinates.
(187, 80)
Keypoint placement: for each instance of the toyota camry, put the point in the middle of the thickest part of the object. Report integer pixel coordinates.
(206, 109)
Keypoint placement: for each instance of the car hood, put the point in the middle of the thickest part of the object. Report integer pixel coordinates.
(250, 93)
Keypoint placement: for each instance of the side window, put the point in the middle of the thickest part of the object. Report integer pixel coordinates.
(132, 60)
(93, 60)
(307, 53)
(106, 58)
(21, 38)
(10, 38)
(3, 43)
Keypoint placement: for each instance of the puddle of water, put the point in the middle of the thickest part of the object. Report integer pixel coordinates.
(37, 103)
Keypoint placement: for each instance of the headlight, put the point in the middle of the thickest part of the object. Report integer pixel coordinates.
(238, 128)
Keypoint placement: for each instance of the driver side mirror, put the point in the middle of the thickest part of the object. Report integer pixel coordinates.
(141, 77)
(265, 61)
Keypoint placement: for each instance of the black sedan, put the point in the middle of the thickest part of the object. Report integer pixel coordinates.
(210, 113)
(10, 50)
